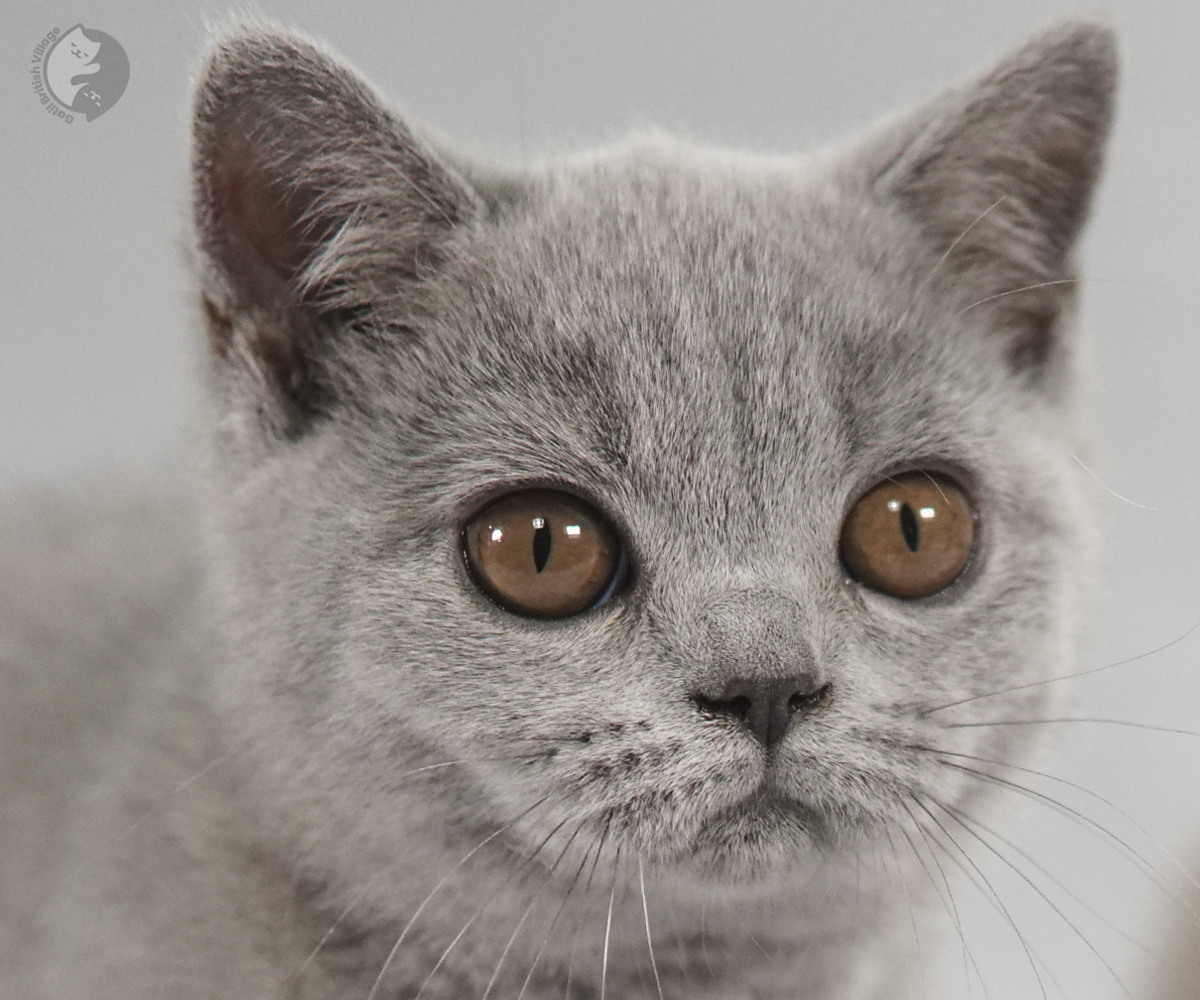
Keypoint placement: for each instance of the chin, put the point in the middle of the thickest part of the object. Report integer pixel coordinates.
(754, 842)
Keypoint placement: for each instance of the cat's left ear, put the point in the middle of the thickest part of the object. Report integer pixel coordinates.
(999, 175)
(312, 201)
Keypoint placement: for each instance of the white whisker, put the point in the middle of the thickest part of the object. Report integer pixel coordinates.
(607, 937)
(649, 940)
(1109, 489)
(1017, 291)
(391, 956)
(1063, 677)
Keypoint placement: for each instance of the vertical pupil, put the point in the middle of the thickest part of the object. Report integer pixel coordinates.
(908, 528)
(541, 543)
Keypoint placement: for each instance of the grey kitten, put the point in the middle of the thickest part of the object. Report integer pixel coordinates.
(599, 568)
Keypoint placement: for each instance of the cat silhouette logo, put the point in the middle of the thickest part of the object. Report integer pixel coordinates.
(86, 71)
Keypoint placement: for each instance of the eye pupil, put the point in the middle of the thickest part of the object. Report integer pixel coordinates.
(542, 540)
(909, 529)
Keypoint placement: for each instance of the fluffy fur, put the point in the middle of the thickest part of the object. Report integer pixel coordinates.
(308, 758)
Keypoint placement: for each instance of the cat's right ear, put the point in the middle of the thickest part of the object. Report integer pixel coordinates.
(999, 176)
(312, 204)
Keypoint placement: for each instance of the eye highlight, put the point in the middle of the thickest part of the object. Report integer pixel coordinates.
(910, 536)
(543, 554)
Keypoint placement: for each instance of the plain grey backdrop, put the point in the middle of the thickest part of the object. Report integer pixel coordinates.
(96, 330)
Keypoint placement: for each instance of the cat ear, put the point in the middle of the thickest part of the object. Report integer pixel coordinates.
(999, 175)
(311, 201)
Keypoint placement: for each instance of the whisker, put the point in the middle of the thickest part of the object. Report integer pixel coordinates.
(646, 913)
(358, 898)
(201, 773)
(612, 895)
(962, 819)
(933, 482)
(1017, 291)
(450, 947)
(553, 923)
(950, 249)
(529, 909)
(1152, 727)
(587, 888)
(1073, 281)
(1064, 677)
(452, 763)
(599, 850)
(704, 934)
(1025, 855)
(519, 869)
(730, 908)
(947, 901)
(1025, 946)
(677, 937)
(892, 870)
(152, 810)
(391, 956)
(571, 959)
(1110, 490)
(1082, 789)
(937, 486)
(1125, 849)
(912, 915)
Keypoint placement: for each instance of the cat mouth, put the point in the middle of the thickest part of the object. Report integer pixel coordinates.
(763, 835)
(768, 813)
(770, 803)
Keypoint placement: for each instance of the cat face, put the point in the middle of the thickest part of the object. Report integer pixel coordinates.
(79, 46)
(714, 358)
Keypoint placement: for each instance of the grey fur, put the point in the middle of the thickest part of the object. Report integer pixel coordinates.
(722, 352)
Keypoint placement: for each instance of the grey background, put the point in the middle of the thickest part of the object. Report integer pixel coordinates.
(96, 342)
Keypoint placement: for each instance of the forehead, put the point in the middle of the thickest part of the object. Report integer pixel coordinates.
(725, 338)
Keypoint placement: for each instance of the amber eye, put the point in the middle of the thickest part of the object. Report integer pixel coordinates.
(910, 536)
(543, 553)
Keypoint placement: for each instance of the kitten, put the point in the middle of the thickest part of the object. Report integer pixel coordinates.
(597, 568)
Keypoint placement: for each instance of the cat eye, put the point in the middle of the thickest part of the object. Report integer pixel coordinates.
(544, 554)
(910, 536)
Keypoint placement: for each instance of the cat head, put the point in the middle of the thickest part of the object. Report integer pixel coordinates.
(655, 499)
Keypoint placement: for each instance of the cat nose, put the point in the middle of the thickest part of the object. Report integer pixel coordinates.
(764, 706)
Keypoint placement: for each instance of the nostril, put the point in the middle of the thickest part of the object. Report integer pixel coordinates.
(737, 709)
(803, 702)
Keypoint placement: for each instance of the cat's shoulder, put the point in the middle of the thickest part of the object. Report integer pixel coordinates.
(116, 801)
(99, 586)
(93, 576)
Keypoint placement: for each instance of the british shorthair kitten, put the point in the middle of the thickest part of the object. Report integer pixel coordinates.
(597, 573)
